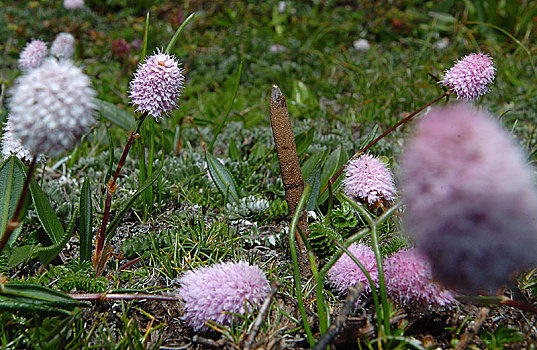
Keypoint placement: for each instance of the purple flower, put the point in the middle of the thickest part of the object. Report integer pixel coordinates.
(157, 84)
(211, 293)
(73, 4)
(408, 278)
(345, 273)
(33, 55)
(51, 107)
(471, 200)
(470, 77)
(63, 46)
(368, 179)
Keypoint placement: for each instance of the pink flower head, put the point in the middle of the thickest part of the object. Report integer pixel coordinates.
(157, 84)
(471, 200)
(470, 77)
(368, 179)
(345, 273)
(12, 145)
(33, 55)
(73, 4)
(408, 278)
(211, 293)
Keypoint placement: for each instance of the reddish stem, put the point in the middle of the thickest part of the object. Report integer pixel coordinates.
(112, 187)
(14, 222)
(121, 296)
(402, 121)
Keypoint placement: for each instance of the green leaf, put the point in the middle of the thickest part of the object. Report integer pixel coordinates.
(315, 182)
(312, 162)
(19, 255)
(115, 114)
(110, 231)
(221, 177)
(85, 226)
(333, 163)
(303, 140)
(370, 137)
(46, 215)
(178, 32)
(37, 293)
(46, 254)
(11, 183)
(234, 152)
(29, 307)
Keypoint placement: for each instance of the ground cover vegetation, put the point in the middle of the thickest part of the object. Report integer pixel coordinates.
(207, 174)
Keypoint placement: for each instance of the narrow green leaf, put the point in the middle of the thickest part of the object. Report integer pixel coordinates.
(234, 152)
(110, 231)
(19, 255)
(39, 293)
(29, 307)
(85, 222)
(303, 140)
(370, 137)
(315, 182)
(46, 254)
(221, 177)
(115, 114)
(146, 34)
(46, 215)
(312, 162)
(178, 32)
(11, 183)
(333, 163)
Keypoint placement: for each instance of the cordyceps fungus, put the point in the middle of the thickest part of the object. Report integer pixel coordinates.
(471, 200)
(214, 293)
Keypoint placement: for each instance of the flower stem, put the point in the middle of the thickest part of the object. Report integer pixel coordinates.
(376, 249)
(112, 187)
(399, 123)
(14, 222)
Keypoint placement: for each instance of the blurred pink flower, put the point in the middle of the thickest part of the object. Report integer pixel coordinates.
(63, 46)
(470, 77)
(408, 278)
(211, 293)
(471, 199)
(73, 4)
(345, 273)
(156, 85)
(368, 179)
(33, 55)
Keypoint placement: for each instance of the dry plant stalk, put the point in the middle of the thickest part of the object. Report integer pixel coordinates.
(293, 181)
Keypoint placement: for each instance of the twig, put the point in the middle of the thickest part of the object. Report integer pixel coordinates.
(122, 296)
(207, 342)
(262, 312)
(470, 333)
(293, 181)
(327, 338)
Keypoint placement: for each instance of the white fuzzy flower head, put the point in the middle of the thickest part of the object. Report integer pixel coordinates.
(11, 145)
(33, 55)
(63, 46)
(51, 107)
(73, 4)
